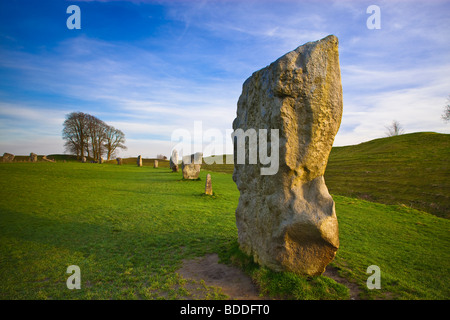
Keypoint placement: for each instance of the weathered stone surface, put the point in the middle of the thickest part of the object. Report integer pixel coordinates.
(287, 221)
(174, 161)
(8, 157)
(119, 161)
(191, 166)
(83, 159)
(155, 164)
(100, 160)
(139, 161)
(208, 185)
(33, 157)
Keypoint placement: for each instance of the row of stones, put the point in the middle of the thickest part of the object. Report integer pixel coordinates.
(9, 157)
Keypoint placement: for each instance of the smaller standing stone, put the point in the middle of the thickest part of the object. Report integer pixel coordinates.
(119, 161)
(33, 157)
(208, 185)
(174, 161)
(83, 160)
(100, 160)
(44, 158)
(139, 161)
(8, 157)
(191, 166)
(155, 164)
(198, 158)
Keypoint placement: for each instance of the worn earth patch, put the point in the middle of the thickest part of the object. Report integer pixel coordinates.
(233, 281)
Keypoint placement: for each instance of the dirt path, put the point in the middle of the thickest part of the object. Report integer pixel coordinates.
(233, 281)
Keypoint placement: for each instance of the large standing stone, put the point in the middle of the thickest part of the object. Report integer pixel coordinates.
(208, 185)
(287, 221)
(83, 159)
(139, 161)
(155, 164)
(100, 159)
(8, 157)
(191, 166)
(33, 157)
(174, 161)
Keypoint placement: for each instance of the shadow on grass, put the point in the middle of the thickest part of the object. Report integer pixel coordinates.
(109, 240)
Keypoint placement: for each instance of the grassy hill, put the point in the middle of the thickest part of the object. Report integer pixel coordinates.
(410, 169)
(129, 228)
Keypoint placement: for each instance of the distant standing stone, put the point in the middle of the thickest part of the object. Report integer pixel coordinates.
(33, 157)
(174, 161)
(139, 161)
(119, 161)
(83, 160)
(100, 160)
(208, 185)
(44, 158)
(155, 164)
(8, 157)
(191, 166)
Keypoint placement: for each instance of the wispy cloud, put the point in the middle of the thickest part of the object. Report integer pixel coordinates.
(416, 106)
(30, 128)
(143, 97)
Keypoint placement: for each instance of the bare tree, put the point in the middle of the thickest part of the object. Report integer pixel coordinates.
(72, 147)
(394, 129)
(96, 133)
(114, 138)
(446, 115)
(75, 133)
(86, 134)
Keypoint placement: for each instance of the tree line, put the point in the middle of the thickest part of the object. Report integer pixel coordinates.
(86, 135)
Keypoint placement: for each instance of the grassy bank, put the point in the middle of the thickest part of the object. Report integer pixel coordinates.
(410, 169)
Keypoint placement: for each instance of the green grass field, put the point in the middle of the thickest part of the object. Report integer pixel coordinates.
(129, 228)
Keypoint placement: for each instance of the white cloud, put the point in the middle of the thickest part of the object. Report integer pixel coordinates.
(417, 109)
(39, 144)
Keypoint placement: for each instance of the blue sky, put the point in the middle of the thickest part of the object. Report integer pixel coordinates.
(151, 67)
